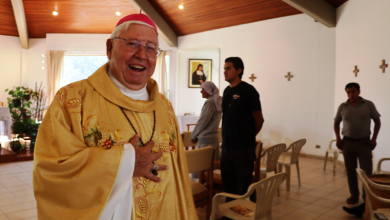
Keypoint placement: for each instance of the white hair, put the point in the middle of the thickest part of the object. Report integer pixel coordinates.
(125, 26)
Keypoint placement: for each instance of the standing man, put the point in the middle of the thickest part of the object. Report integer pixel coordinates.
(356, 114)
(242, 120)
(98, 141)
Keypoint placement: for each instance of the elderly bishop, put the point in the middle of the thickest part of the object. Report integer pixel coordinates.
(109, 146)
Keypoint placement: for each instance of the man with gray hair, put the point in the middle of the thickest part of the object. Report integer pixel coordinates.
(356, 114)
(104, 138)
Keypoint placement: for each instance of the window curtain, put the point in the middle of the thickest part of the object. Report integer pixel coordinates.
(160, 74)
(55, 69)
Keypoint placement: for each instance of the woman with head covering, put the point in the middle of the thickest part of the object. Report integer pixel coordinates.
(206, 130)
(198, 76)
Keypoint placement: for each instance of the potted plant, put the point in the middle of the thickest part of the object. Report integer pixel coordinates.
(15, 145)
(17, 94)
(25, 113)
(27, 94)
(23, 149)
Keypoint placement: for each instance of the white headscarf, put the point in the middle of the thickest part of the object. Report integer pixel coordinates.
(211, 89)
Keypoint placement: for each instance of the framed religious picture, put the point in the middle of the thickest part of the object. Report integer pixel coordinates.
(200, 71)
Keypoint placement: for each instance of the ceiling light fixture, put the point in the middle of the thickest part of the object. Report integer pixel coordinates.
(43, 68)
(43, 61)
(118, 13)
(181, 6)
(55, 13)
(43, 55)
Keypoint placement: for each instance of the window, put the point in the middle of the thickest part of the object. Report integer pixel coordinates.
(80, 67)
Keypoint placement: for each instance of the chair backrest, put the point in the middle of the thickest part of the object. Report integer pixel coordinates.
(273, 154)
(188, 126)
(259, 148)
(265, 193)
(330, 144)
(296, 149)
(200, 159)
(186, 136)
(1, 103)
(378, 166)
(366, 185)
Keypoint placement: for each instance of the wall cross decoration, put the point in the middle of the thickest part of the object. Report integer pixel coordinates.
(383, 66)
(289, 76)
(356, 70)
(252, 77)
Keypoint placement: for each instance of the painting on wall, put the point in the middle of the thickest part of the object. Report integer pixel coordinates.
(199, 72)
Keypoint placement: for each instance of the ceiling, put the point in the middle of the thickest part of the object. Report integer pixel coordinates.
(98, 16)
(204, 15)
(7, 18)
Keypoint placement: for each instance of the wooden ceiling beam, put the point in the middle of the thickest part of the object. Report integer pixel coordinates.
(21, 23)
(164, 30)
(319, 10)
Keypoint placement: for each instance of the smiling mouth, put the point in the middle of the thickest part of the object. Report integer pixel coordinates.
(137, 67)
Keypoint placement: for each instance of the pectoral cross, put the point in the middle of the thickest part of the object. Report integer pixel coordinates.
(356, 71)
(252, 77)
(289, 76)
(383, 66)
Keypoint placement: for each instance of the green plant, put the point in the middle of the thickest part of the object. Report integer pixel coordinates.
(17, 104)
(15, 146)
(25, 113)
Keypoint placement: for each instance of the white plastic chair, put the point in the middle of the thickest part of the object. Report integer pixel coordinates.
(294, 159)
(265, 192)
(367, 183)
(335, 153)
(273, 154)
(378, 167)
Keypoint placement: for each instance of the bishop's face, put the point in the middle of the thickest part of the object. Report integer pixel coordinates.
(132, 69)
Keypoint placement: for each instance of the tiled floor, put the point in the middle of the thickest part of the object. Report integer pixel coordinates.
(320, 196)
(17, 199)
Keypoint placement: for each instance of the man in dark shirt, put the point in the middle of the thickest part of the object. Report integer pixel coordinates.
(242, 120)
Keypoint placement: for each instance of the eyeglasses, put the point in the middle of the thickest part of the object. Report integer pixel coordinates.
(135, 46)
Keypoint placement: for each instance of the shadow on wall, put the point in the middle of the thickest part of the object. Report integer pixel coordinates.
(288, 141)
(274, 137)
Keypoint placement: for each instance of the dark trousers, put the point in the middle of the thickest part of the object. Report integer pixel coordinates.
(237, 166)
(354, 151)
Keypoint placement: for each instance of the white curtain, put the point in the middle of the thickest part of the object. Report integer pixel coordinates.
(160, 74)
(55, 69)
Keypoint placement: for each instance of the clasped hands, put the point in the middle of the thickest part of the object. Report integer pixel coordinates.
(144, 160)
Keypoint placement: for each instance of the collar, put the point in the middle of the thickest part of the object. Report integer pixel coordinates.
(141, 94)
(361, 101)
(106, 88)
(211, 97)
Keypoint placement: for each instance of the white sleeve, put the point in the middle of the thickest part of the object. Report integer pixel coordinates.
(121, 198)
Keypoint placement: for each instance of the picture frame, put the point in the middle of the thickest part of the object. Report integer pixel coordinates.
(200, 70)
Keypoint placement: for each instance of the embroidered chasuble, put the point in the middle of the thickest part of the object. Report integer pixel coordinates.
(80, 146)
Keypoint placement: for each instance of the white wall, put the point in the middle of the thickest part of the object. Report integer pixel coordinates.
(77, 42)
(301, 108)
(32, 63)
(362, 39)
(10, 56)
(190, 99)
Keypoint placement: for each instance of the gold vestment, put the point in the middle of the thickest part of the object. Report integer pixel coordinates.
(80, 147)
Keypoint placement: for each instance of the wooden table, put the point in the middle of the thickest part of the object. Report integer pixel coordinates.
(383, 179)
